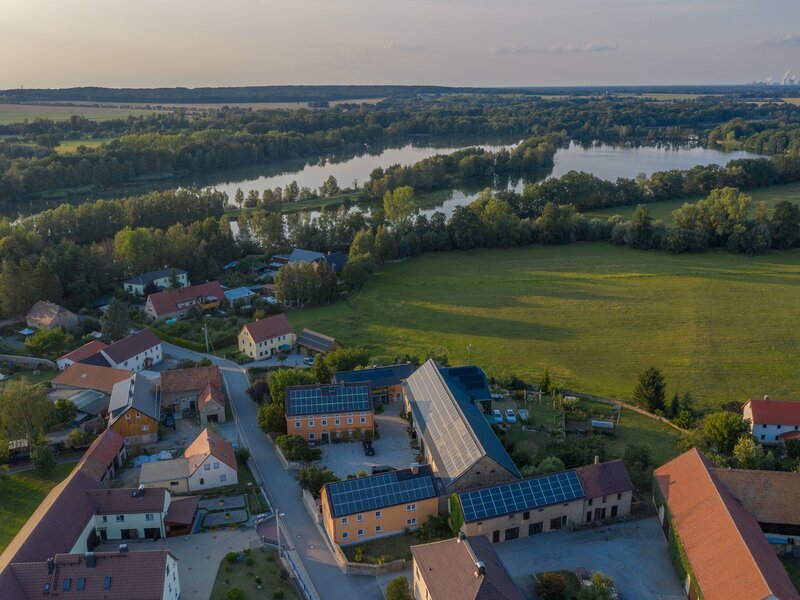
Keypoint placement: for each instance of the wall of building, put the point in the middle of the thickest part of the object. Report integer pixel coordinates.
(537, 520)
(139, 429)
(81, 546)
(175, 486)
(312, 427)
(768, 434)
(212, 408)
(172, 583)
(392, 520)
(206, 478)
(264, 349)
(164, 282)
(420, 590)
(144, 360)
(607, 507)
(139, 522)
(483, 473)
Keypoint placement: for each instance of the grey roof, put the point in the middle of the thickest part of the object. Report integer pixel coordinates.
(300, 255)
(315, 340)
(454, 428)
(150, 277)
(378, 377)
(325, 399)
(238, 293)
(379, 491)
(136, 392)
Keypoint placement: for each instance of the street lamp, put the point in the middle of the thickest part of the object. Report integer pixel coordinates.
(278, 516)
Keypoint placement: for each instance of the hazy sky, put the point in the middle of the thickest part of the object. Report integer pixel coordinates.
(139, 43)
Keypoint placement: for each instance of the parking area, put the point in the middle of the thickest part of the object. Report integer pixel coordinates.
(392, 448)
(633, 554)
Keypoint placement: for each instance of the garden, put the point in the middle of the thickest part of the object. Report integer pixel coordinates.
(252, 575)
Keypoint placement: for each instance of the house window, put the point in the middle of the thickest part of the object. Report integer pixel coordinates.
(202, 481)
(127, 416)
(138, 415)
(120, 518)
(360, 533)
(81, 583)
(174, 482)
(336, 422)
(349, 414)
(526, 515)
(344, 520)
(763, 436)
(310, 436)
(764, 426)
(378, 528)
(297, 425)
(411, 507)
(360, 518)
(350, 421)
(105, 519)
(324, 423)
(207, 467)
(363, 420)
(779, 426)
(145, 427)
(311, 423)
(107, 582)
(411, 521)
(148, 517)
(619, 496)
(345, 535)
(590, 501)
(67, 584)
(223, 478)
(216, 465)
(377, 514)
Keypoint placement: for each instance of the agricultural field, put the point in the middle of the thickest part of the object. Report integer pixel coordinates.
(770, 196)
(724, 326)
(16, 113)
(71, 146)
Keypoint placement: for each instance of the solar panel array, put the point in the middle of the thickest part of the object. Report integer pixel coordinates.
(451, 436)
(324, 399)
(379, 491)
(471, 378)
(518, 496)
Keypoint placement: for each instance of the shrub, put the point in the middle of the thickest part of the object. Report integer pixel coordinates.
(43, 459)
(295, 447)
(231, 557)
(242, 454)
(551, 586)
(398, 589)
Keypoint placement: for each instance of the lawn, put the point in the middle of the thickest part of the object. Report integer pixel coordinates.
(792, 566)
(382, 550)
(724, 326)
(770, 196)
(265, 564)
(42, 376)
(71, 146)
(16, 113)
(20, 494)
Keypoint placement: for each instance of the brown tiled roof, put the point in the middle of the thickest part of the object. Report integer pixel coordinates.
(101, 453)
(775, 412)
(91, 377)
(208, 395)
(165, 303)
(44, 312)
(271, 327)
(130, 346)
(449, 570)
(190, 380)
(729, 554)
(131, 576)
(770, 496)
(123, 501)
(604, 479)
(208, 444)
(85, 351)
(182, 510)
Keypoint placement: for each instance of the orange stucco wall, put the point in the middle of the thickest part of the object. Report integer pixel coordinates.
(318, 424)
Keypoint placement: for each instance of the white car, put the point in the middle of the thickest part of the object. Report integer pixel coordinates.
(498, 416)
(510, 416)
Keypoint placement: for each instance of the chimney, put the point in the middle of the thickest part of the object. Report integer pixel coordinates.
(51, 565)
(90, 563)
(596, 459)
(140, 489)
(461, 536)
(480, 569)
(766, 397)
(123, 548)
(415, 468)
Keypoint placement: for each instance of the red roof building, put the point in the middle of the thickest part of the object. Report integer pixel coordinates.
(265, 337)
(771, 420)
(79, 354)
(177, 303)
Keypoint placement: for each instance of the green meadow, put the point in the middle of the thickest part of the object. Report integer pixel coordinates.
(16, 113)
(721, 325)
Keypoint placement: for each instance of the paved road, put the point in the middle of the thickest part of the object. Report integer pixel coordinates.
(317, 559)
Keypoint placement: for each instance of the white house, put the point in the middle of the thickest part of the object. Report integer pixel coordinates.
(773, 421)
(88, 350)
(211, 462)
(161, 279)
(136, 352)
(130, 514)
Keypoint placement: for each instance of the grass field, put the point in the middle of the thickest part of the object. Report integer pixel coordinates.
(70, 146)
(16, 113)
(792, 566)
(770, 196)
(20, 494)
(724, 326)
(265, 564)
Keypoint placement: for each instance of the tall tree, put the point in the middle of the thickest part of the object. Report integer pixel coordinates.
(116, 323)
(723, 429)
(25, 411)
(399, 205)
(650, 390)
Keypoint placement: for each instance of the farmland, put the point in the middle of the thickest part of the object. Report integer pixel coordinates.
(16, 113)
(723, 326)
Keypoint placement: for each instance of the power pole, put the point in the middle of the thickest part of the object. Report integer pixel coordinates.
(469, 354)
(205, 330)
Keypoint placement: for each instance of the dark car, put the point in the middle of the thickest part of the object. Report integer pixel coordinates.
(369, 449)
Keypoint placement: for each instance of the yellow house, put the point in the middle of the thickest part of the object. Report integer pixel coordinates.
(357, 510)
(266, 337)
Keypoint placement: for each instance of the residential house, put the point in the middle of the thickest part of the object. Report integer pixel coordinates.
(209, 462)
(263, 338)
(507, 511)
(137, 352)
(240, 294)
(47, 315)
(105, 457)
(721, 553)
(454, 434)
(312, 343)
(79, 354)
(336, 261)
(385, 382)
(88, 387)
(462, 568)
(356, 510)
(196, 389)
(773, 421)
(161, 279)
(130, 514)
(178, 303)
(322, 412)
(300, 256)
(135, 410)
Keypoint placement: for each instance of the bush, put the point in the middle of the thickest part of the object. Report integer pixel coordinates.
(398, 589)
(43, 459)
(551, 586)
(242, 454)
(278, 594)
(231, 557)
(312, 478)
(78, 438)
(295, 447)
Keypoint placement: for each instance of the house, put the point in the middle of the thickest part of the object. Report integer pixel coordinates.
(130, 514)
(313, 343)
(385, 382)
(135, 410)
(773, 421)
(356, 510)
(300, 256)
(137, 352)
(196, 389)
(508, 511)
(118, 575)
(462, 568)
(336, 261)
(266, 337)
(178, 303)
(721, 553)
(323, 412)
(88, 387)
(79, 354)
(209, 462)
(239, 294)
(105, 457)
(453, 433)
(161, 279)
(46, 315)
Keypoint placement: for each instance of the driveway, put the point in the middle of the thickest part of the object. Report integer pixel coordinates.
(392, 448)
(295, 359)
(198, 555)
(633, 554)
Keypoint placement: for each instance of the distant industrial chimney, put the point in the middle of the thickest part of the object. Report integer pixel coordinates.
(480, 569)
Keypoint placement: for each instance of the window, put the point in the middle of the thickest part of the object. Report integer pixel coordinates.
(120, 518)
(148, 517)
(526, 515)
(360, 533)
(764, 426)
(350, 421)
(138, 415)
(223, 478)
(558, 522)
(145, 427)
(207, 467)
(105, 519)
(495, 537)
(127, 416)
(297, 425)
(411, 507)
(349, 414)
(310, 436)
(619, 496)
(80, 584)
(378, 528)
(763, 436)
(590, 501)
(604, 499)
(779, 426)
(337, 421)
(345, 535)
(174, 482)
(344, 520)
(363, 420)
(67, 584)
(535, 528)
(311, 423)
(107, 582)
(360, 518)
(411, 521)
(202, 481)
(324, 423)
(377, 514)
(512, 534)
(216, 465)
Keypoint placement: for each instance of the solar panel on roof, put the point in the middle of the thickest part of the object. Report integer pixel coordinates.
(329, 398)
(520, 495)
(379, 491)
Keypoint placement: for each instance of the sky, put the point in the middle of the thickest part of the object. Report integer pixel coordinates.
(153, 43)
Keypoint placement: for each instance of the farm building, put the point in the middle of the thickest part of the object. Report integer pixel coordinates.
(773, 421)
(385, 382)
(320, 413)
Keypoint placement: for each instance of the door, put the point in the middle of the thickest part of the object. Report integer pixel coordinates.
(152, 533)
(103, 534)
(535, 528)
(212, 418)
(597, 514)
(613, 511)
(325, 437)
(512, 534)
(588, 516)
(495, 537)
